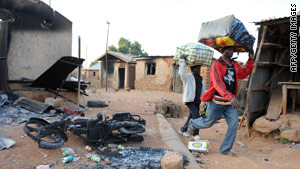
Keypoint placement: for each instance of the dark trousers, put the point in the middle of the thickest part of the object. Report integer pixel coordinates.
(194, 114)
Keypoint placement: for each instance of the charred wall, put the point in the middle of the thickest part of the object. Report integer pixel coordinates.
(37, 37)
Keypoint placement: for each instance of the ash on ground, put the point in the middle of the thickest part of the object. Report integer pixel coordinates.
(134, 157)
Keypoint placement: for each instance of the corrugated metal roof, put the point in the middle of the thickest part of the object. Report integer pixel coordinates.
(94, 67)
(150, 57)
(121, 56)
(275, 20)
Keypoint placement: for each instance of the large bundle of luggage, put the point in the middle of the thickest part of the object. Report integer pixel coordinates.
(227, 31)
(197, 54)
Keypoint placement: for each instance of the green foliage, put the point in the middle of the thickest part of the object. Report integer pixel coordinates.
(112, 48)
(127, 47)
(124, 45)
(93, 63)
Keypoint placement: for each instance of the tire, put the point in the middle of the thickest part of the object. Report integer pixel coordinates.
(96, 103)
(51, 145)
(132, 130)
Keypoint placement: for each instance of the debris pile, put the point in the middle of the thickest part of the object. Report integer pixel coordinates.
(168, 109)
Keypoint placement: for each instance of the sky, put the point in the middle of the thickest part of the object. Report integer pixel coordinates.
(158, 25)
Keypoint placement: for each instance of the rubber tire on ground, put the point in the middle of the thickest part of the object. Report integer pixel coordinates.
(96, 103)
(51, 145)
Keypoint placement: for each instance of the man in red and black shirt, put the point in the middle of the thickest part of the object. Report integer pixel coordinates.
(222, 94)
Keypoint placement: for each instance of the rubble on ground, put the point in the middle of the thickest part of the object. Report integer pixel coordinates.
(168, 109)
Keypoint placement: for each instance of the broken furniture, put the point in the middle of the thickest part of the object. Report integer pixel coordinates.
(285, 86)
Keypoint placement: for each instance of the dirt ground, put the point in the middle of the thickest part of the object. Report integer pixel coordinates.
(260, 152)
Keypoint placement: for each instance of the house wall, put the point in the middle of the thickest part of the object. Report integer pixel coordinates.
(162, 80)
(33, 49)
(88, 76)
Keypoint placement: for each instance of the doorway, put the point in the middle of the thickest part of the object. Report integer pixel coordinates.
(121, 77)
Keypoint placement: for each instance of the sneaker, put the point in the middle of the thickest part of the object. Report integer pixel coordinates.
(196, 137)
(183, 133)
(190, 129)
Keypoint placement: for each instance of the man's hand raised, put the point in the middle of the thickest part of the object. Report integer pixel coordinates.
(251, 55)
(183, 56)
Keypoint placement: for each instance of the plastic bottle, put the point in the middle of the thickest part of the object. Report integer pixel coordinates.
(67, 159)
(93, 157)
(66, 151)
(120, 147)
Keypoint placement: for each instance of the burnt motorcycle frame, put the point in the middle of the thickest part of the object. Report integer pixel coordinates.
(123, 127)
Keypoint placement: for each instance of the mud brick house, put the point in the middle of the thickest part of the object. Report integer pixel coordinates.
(120, 72)
(154, 73)
(32, 38)
(91, 75)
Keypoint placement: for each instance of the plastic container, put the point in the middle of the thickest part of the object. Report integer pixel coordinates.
(201, 146)
(66, 151)
(93, 157)
(67, 159)
(120, 147)
(88, 148)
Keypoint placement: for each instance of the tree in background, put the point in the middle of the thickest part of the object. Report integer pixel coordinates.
(93, 63)
(112, 48)
(126, 47)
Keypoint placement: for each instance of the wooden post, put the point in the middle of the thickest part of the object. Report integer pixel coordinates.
(294, 95)
(284, 98)
(251, 79)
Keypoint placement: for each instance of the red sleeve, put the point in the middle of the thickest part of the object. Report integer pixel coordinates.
(245, 72)
(217, 80)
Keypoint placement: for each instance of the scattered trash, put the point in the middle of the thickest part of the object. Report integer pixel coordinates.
(112, 145)
(14, 115)
(93, 157)
(106, 160)
(3, 99)
(43, 167)
(33, 105)
(103, 149)
(66, 151)
(201, 145)
(5, 142)
(76, 159)
(241, 144)
(45, 155)
(67, 159)
(88, 148)
(120, 147)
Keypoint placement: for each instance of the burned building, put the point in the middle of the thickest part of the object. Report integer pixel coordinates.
(33, 37)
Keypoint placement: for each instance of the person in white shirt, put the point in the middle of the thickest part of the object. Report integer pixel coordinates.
(193, 89)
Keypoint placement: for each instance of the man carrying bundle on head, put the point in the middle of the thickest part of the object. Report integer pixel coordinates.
(221, 96)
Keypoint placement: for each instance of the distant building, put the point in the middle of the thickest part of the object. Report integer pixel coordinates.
(120, 72)
(91, 72)
(154, 73)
